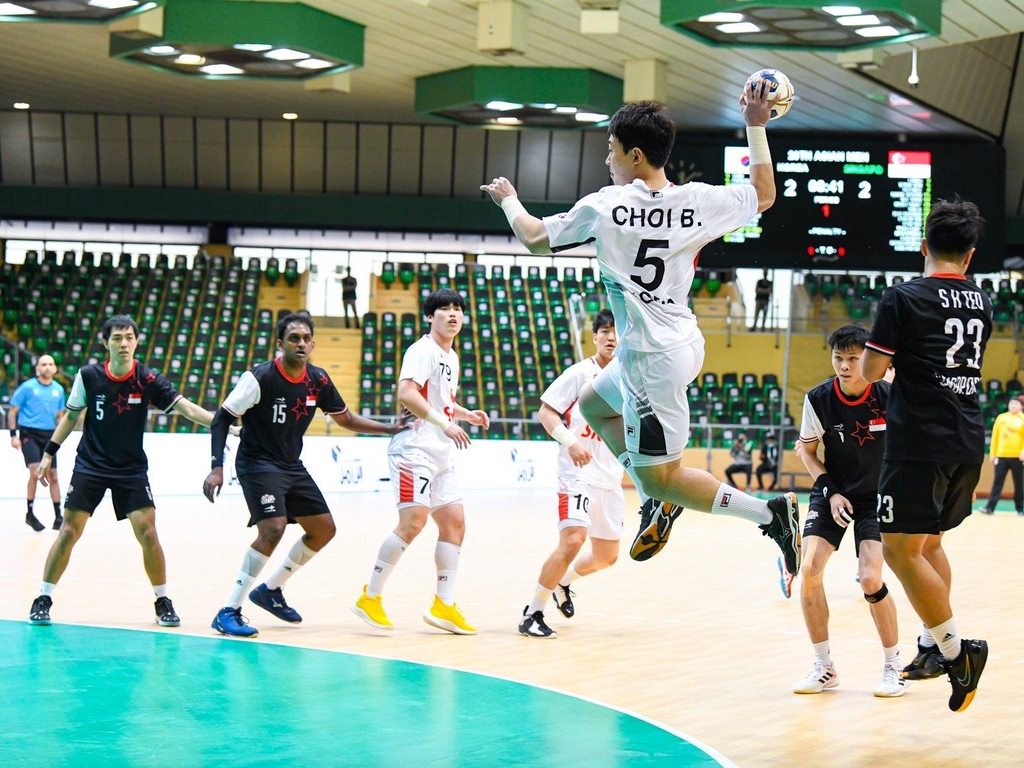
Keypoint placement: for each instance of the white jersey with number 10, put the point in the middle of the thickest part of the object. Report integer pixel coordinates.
(647, 245)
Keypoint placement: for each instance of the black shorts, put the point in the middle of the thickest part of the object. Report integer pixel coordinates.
(279, 494)
(925, 497)
(129, 494)
(819, 521)
(33, 441)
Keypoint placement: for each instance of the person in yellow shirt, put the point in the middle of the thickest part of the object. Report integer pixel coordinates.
(1007, 453)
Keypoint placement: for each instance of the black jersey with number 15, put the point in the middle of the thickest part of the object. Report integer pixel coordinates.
(276, 411)
(935, 329)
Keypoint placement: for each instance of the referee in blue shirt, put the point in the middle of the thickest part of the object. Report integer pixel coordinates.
(36, 407)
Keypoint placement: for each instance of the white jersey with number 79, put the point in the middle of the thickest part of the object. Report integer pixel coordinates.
(647, 245)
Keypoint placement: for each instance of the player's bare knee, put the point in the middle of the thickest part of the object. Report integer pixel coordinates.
(271, 531)
(571, 540)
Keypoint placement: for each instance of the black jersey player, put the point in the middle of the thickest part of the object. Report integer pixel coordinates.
(934, 331)
(276, 401)
(845, 415)
(115, 397)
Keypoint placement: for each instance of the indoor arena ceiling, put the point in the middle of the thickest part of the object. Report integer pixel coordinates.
(965, 73)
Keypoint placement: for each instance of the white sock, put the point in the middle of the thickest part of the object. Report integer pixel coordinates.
(46, 588)
(729, 501)
(570, 576)
(821, 653)
(892, 656)
(299, 555)
(541, 595)
(446, 558)
(252, 564)
(387, 558)
(160, 590)
(628, 466)
(948, 638)
(926, 638)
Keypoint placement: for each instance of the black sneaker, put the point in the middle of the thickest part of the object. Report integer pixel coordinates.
(34, 522)
(784, 529)
(926, 665)
(656, 518)
(533, 625)
(58, 521)
(965, 671)
(563, 600)
(165, 615)
(40, 611)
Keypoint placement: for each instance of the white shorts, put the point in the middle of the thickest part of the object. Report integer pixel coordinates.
(418, 482)
(601, 510)
(655, 413)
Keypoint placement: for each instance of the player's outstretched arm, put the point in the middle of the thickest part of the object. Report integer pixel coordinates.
(64, 428)
(364, 426)
(551, 420)
(409, 396)
(873, 365)
(193, 412)
(529, 229)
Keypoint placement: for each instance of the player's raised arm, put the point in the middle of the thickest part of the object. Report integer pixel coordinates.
(409, 396)
(552, 422)
(529, 229)
(756, 109)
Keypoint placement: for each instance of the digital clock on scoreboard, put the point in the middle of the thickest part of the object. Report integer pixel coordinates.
(856, 205)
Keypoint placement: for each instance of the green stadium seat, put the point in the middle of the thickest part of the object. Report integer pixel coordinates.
(714, 284)
(406, 275)
(388, 274)
(273, 271)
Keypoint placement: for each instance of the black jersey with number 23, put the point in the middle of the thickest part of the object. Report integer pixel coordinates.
(276, 411)
(935, 329)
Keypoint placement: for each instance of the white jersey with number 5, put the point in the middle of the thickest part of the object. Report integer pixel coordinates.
(647, 245)
(436, 373)
(563, 394)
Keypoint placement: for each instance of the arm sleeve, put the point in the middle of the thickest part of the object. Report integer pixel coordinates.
(76, 400)
(222, 421)
(61, 399)
(162, 394)
(810, 426)
(18, 399)
(244, 396)
(884, 335)
(725, 207)
(576, 226)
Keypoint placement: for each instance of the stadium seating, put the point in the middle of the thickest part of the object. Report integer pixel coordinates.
(198, 326)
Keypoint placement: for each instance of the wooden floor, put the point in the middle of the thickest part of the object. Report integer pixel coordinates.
(699, 638)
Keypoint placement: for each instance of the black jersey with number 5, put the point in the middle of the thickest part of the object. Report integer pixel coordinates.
(276, 411)
(115, 416)
(935, 329)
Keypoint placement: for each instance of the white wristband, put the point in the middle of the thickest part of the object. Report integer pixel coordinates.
(437, 419)
(757, 142)
(562, 434)
(512, 208)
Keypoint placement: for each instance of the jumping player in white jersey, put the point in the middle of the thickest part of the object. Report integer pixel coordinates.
(590, 498)
(421, 472)
(648, 234)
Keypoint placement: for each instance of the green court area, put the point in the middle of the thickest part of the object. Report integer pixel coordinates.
(86, 696)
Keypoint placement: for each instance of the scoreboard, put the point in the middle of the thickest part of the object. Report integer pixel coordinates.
(848, 204)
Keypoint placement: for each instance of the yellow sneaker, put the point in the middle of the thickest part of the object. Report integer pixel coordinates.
(370, 610)
(448, 618)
